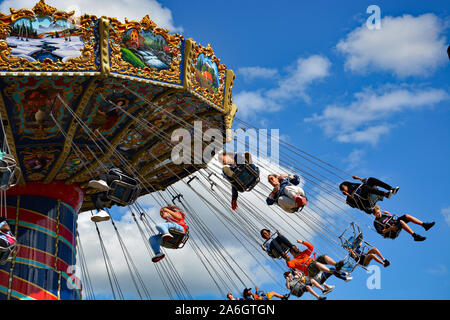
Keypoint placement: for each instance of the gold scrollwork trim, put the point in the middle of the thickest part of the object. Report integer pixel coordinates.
(174, 41)
(196, 51)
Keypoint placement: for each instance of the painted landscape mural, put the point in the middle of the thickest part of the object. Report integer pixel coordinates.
(144, 49)
(207, 73)
(43, 37)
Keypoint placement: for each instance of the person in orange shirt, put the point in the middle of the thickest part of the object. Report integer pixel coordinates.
(311, 267)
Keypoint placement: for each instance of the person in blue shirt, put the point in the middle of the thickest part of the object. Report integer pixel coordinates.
(286, 192)
(277, 244)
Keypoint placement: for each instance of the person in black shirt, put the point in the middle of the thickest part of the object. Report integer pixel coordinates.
(390, 227)
(364, 195)
(232, 162)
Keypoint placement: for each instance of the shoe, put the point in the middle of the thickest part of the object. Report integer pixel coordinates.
(100, 216)
(386, 263)
(339, 265)
(328, 290)
(167, 236)
(300, 201)
(98, 184)
(418, 237)
(349, 279)
(389, 194)
(395, 190)
(322, 298)
(428, 225)
(286, 296)
(158, 257)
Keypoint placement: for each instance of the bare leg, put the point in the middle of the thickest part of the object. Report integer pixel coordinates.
(372, 254)
(310, 290)
(329, 260)
(316, 284)
(406, 227)
(273, 293)
(413, 219)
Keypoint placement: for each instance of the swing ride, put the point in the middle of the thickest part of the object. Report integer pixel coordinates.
(80, 96)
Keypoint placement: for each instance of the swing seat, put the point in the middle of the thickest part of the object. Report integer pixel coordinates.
(178, 241)
(9, 173)
(246, 177)
(276, 254)
(122, 192)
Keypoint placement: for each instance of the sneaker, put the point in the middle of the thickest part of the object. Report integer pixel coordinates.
(100, 216)
(349, 279)
(322, 298)
(286, 296)
(395, 190)
(428, 225)
(167, 236)
(328, 290)
(98, 184)
(300, 201)
(418, 237)
(158, 257)
(339, 265)
(386, 263)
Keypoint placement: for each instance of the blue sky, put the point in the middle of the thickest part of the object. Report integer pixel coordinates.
(372, 102)
(412, 153)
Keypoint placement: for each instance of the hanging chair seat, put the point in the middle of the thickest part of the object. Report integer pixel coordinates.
(245, 177)
(274, 253)
(123, 193)
(9, 172)
(178, 241)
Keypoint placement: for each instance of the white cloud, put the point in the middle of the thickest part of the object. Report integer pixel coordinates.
(121, 9)
(446, 213)
(251, 73)
(406, 46)
(367, 118)
(294, 85)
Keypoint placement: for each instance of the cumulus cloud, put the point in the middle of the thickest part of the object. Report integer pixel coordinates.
(368, 117)
(251, 73)
(405, 46)
(121, 9)
(294, 85)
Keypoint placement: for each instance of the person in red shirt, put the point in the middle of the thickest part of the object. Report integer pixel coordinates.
(174, 217)
(311, 267)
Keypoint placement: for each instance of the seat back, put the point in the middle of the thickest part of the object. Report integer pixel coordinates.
(122, 192)
(246, 177)
(178, 241)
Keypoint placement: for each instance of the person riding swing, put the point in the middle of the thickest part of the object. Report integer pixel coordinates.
(390, 226)
(286, 192)
(365, 195)
(278, 246)
(174, 220)
(7, 240)
(240, 171)
(114, 186)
